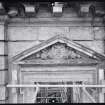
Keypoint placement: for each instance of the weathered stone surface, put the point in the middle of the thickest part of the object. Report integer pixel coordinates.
(99, 33)
(1, 48)
(22, 33)
(3, 77)
(48, 32)
(74, 33)
(1, 32)
(98, 46)
(2, 93)
(94, 45)
(3, 62)
(15, 48)
(80, 33)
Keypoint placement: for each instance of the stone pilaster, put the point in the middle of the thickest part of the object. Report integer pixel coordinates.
(3, 59)
(101, 78)
(13, 70)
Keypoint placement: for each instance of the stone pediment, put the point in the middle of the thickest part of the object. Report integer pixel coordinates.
(59, 50)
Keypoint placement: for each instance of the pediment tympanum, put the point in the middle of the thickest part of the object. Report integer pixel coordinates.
(59, 50)
(58, 53)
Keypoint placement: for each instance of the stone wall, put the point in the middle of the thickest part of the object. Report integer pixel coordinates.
(88, 36)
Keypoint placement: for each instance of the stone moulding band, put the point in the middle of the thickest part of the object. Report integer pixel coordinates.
(27, 85)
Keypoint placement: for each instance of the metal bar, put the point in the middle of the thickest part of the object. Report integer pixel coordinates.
(39, 85)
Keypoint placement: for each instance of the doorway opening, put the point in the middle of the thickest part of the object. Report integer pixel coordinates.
(55, 94)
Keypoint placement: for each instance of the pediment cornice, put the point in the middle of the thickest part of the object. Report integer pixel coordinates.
(60, 49)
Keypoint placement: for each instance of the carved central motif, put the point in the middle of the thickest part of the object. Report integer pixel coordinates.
(55, 51)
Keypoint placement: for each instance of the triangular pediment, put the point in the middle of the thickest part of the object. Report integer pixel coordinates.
(61, 50)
